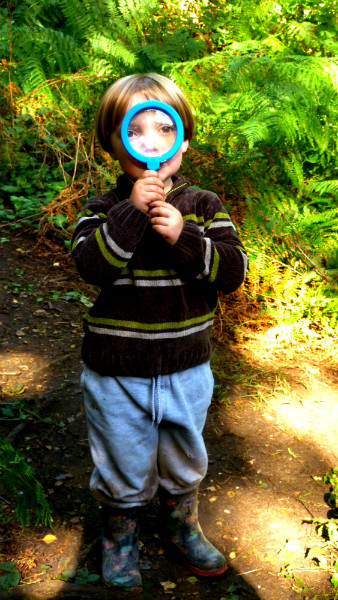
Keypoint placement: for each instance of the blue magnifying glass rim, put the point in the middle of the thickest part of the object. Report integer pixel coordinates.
(152, 162)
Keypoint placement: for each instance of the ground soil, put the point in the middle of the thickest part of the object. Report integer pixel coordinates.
(271, 434)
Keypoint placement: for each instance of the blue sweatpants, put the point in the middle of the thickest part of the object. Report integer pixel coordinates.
(146, 432)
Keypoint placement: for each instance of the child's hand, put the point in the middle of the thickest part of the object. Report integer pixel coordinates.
(148, 188)
(166, 220)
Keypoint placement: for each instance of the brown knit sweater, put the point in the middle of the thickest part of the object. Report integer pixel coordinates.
(155, 309)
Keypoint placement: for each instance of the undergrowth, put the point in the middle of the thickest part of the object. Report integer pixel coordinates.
(325, 553)
(19, 479)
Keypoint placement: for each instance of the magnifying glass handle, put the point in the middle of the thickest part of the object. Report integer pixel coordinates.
(153, 164)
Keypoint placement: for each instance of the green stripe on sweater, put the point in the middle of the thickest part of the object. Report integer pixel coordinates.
(147, 326)
(149, 274)
(109, 257)
(214, 269)
(196, 219)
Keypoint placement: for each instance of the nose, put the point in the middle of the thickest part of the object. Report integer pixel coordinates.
(148, 144)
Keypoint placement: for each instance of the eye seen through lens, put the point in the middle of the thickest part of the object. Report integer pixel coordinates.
(152, 132)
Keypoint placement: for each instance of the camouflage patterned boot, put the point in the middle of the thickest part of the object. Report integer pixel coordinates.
(184, 533)
(120, 549)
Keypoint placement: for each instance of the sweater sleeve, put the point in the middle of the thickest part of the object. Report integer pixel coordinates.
(105, 239)
(209, 248)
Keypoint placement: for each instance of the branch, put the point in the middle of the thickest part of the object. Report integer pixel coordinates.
(321, 273)
(300, 249)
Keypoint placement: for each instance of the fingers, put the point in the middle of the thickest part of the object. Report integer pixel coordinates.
(151, 178)
(149, 173)
(159, 209)
(148, 188)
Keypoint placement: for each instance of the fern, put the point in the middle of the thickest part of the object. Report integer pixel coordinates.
(293, 168)
(111, 48)
(53, 39)
(20, 479)
(304, 32)
(324, 187)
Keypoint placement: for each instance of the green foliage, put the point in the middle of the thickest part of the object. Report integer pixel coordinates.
(14, 409)
(78, 296)
(82, 576)
(19, 478)
(332, 479)
(326, 554)
(28, 180)
(10, 577)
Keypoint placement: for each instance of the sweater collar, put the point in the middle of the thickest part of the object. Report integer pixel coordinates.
(179, 183)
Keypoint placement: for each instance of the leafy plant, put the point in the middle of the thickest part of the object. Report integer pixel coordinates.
(74, 295)
(332, 479)
(13, 409)
(326, 554)
(81, 576)
(10, 577)
(19, 478)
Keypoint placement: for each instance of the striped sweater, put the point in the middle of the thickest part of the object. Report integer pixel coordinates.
(155, 308)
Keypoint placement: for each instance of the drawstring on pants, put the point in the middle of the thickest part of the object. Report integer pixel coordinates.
(156, 395)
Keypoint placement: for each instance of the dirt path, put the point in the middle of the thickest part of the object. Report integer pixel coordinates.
(272, 433)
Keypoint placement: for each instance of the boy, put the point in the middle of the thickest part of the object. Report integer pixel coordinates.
(158, 250)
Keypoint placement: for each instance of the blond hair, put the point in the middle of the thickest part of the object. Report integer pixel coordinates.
(151, 86)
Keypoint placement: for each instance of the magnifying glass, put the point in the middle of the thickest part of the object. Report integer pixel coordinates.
(152, 132)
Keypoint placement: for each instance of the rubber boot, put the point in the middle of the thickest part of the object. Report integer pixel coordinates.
(120, 549)
(184, 533)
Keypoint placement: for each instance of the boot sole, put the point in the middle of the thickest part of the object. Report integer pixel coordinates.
(123, 589)
(201, 573)
(179, 555)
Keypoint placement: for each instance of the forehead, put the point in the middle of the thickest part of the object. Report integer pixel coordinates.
(149, 116)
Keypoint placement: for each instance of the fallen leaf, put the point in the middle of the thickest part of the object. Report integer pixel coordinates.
(213, 499)
(49, 538)
(232, 555)
(167, 586)
(192, 580)
(263, 484)
(231, 494)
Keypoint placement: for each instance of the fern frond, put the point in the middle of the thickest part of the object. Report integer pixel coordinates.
(20, 479)
(255, 130)
(114, 48)
(324, 187)
(79, 19)
(303, 31)
(293, 168)
(32, 73)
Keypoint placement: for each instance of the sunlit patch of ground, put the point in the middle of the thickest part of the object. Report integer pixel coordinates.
(301, 383)
(278, 400)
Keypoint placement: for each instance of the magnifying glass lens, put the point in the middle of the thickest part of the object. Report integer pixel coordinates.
(152, 132)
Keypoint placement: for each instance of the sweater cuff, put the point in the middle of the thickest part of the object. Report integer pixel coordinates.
(188, 251)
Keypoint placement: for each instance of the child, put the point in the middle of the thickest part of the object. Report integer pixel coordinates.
(158, 250)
